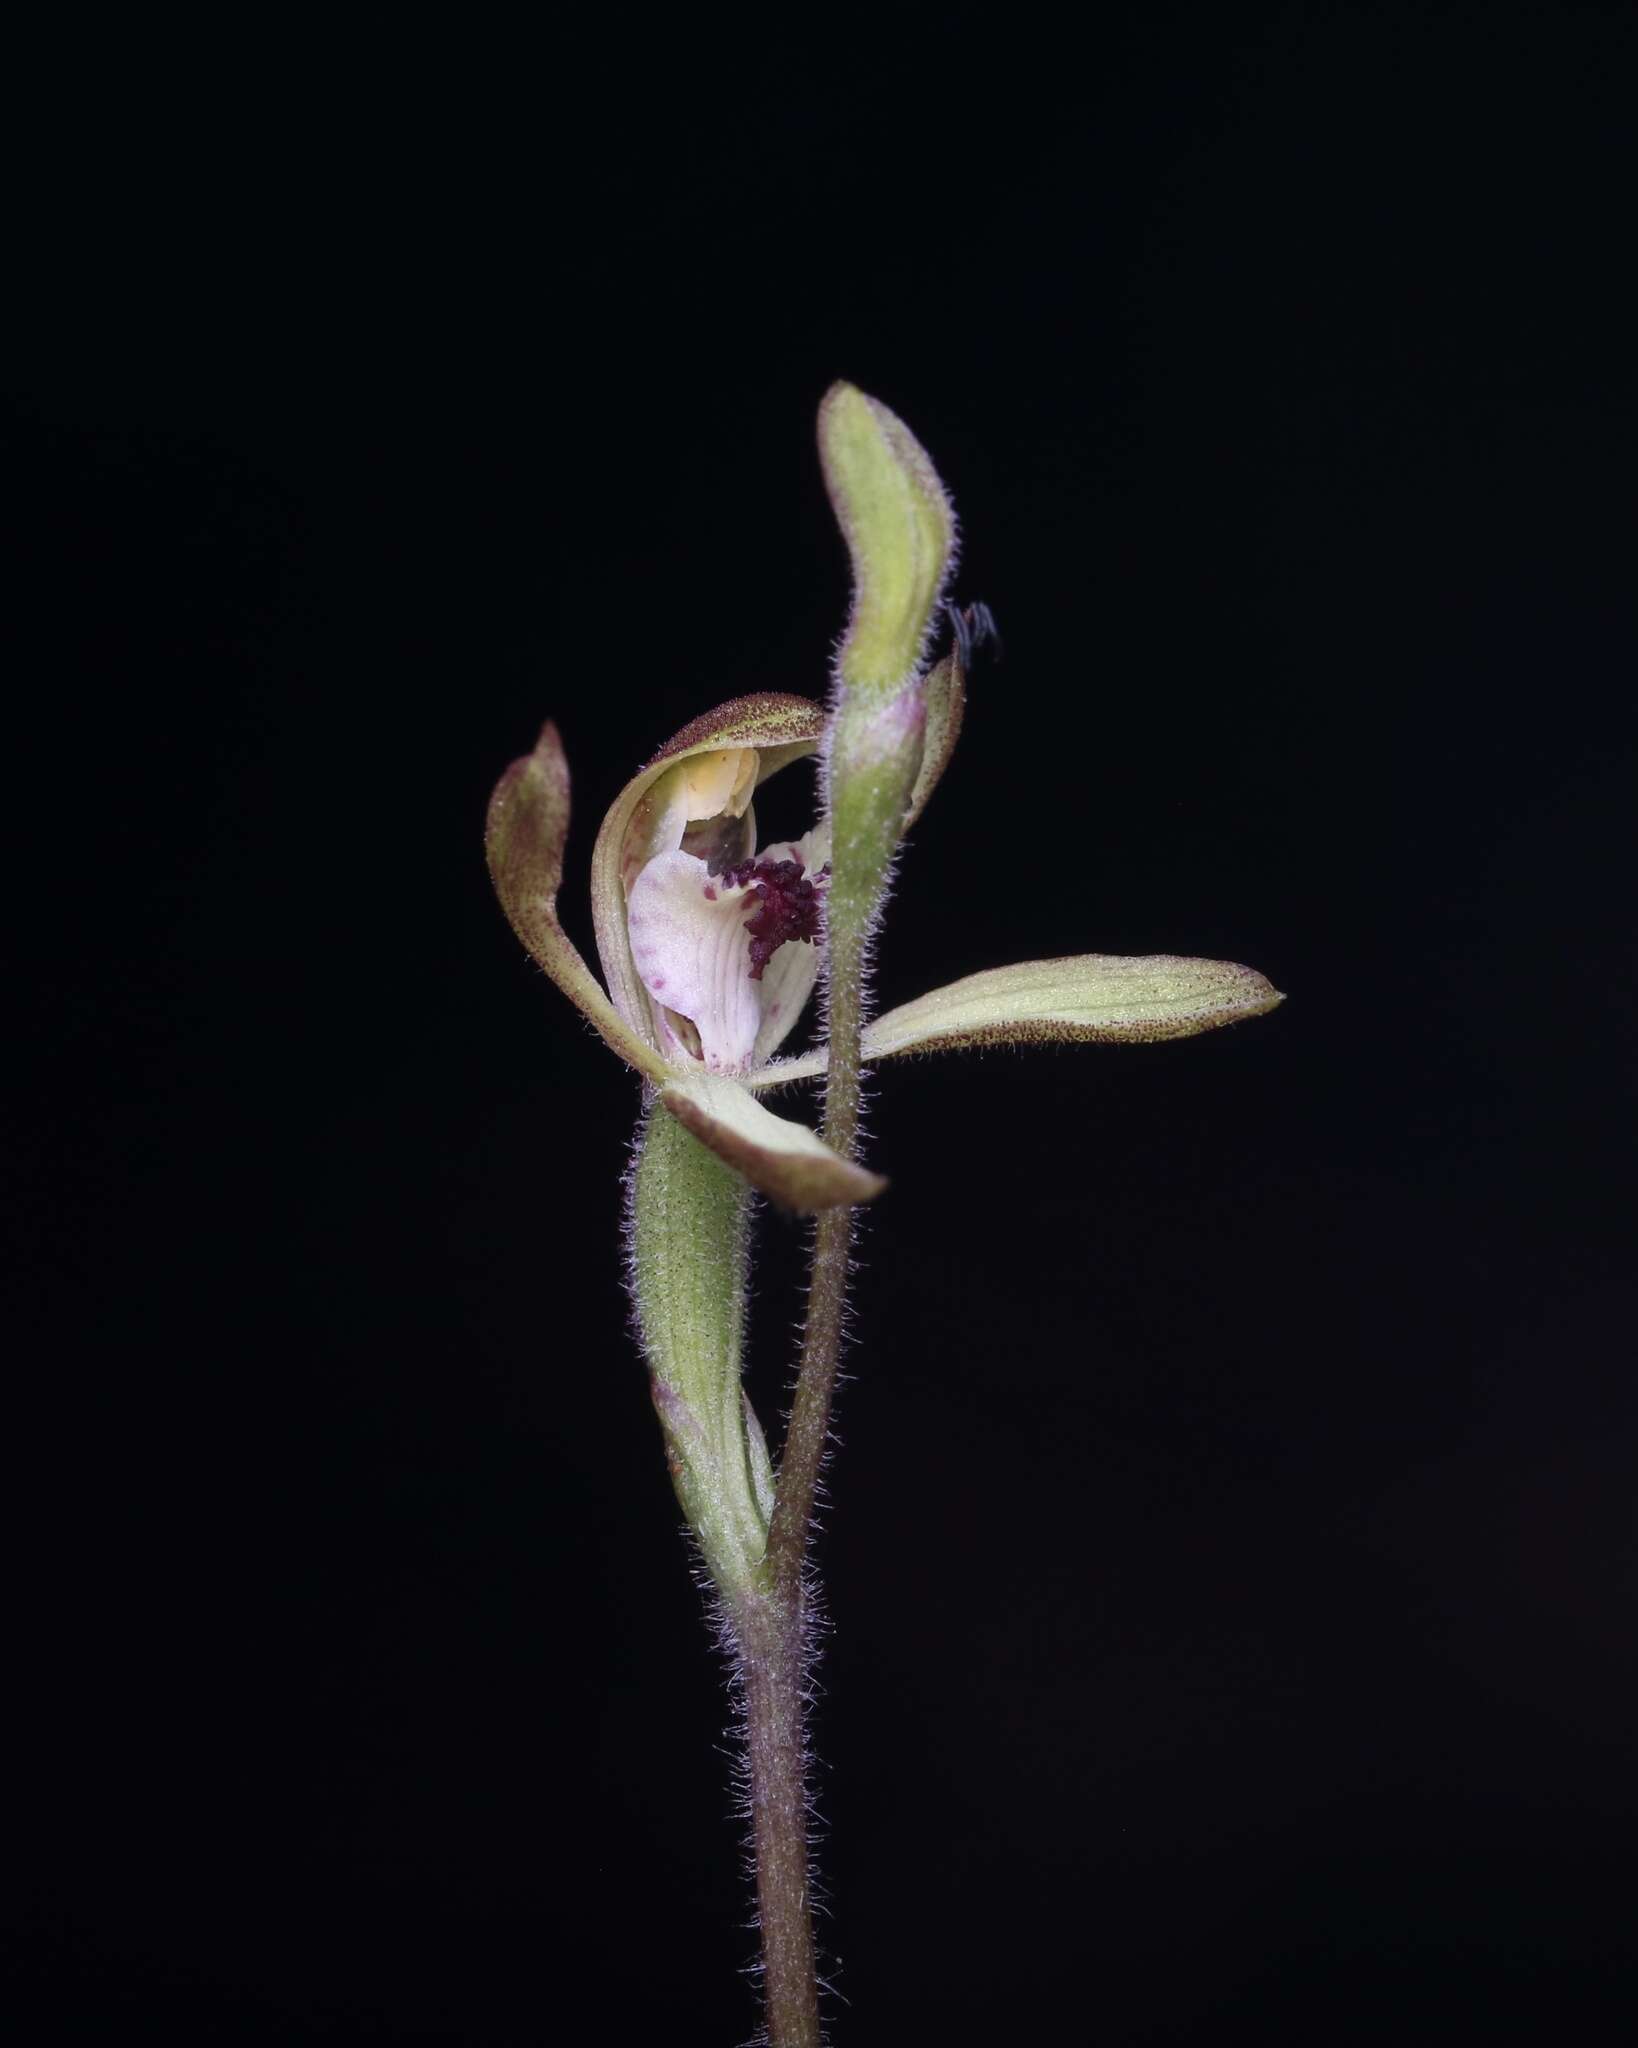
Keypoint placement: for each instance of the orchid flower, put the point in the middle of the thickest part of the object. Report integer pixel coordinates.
(711, 946)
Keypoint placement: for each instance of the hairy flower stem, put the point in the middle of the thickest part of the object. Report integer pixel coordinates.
(773, 1630)
(809, 1428)
(769, 1631)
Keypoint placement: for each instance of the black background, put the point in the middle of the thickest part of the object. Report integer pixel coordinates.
(1232, 1558)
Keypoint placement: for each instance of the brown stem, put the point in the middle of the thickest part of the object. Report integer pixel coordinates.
(770, 1643)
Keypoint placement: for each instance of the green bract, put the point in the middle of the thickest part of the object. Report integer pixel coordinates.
(900, 531)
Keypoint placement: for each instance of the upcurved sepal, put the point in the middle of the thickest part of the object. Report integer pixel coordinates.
(783, 1160)
(527, 828)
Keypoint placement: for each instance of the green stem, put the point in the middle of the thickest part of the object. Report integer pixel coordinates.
(809, 1429)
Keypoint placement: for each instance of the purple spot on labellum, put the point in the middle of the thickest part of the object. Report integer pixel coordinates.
(787, 906)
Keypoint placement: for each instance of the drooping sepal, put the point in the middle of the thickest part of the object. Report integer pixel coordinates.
(783, 1160)
(527, 828)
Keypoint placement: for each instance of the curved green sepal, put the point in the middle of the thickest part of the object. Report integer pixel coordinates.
(900, 531)
(1092, 998)
(784, 1160)
(527, 828)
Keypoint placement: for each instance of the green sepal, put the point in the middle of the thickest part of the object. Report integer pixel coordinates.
(1092, 998)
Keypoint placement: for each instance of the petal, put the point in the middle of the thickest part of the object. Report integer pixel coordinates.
(527, 826)
(693, 954)
(812, 850)
(786, 984)
(787, 1162)
(712, 785)
(1100, 998)
(657, 825)
(782, 729)
(719, 781)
